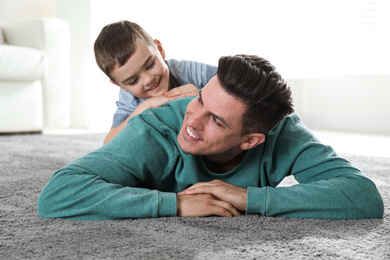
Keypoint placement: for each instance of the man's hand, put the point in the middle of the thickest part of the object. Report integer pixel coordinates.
(203, 205)
(183, 91)
(234, 195)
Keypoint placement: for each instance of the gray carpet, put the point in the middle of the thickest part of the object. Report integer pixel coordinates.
(28, 161)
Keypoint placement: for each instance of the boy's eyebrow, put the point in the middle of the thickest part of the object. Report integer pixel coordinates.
(214, 115)
(146, 62)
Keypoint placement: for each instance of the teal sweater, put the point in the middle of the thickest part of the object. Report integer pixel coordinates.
(138, 174)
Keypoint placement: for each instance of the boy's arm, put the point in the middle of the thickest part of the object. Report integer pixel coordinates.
(148, 103)
(191, 75)
(154, 102)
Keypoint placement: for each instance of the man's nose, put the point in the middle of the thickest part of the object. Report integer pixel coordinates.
(196, 120)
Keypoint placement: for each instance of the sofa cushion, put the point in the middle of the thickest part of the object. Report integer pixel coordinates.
(21, 63)
(1, 36)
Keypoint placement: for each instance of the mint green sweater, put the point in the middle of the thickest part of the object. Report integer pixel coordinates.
(138, 174)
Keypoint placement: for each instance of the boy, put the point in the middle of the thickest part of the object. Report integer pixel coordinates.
(132, 60)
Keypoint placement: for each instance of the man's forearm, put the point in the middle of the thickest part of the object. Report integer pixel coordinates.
(353, 197)
(87, 197)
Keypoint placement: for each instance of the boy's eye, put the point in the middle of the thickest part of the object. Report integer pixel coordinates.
(150, 65)
(133, 82)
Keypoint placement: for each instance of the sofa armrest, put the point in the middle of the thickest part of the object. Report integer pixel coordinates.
(52, 37)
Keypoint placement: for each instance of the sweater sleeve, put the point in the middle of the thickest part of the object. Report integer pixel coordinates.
(329, 186)
(111, 182)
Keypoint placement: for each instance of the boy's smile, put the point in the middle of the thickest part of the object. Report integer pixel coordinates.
(145, 74)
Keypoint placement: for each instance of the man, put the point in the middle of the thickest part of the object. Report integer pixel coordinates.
(222, 153)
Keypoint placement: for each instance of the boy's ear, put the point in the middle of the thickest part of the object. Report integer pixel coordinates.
(252, 140)
(160, 48)
(113, 82)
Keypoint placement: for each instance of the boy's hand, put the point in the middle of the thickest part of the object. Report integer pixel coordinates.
(155, 102)
(183, 91)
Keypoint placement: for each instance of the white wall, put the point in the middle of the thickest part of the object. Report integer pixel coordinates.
(332, 52)
(353, 103)
(319, 46)
(23, 9)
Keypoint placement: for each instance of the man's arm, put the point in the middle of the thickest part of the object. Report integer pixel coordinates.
(105, 184)
(338, 193)
(351, 196)
(76, 194)
(329, 186)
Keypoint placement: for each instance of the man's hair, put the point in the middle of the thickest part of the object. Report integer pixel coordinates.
(116, 43)
(254, 81)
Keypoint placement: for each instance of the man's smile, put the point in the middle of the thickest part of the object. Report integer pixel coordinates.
(191, 134)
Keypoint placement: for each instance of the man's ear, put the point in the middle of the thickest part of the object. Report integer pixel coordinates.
(113, 82)
(160, 48)
(252, 140)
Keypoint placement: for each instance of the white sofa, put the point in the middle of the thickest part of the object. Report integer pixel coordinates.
(34, 75)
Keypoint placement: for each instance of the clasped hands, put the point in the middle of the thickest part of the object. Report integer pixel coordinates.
(216, 198)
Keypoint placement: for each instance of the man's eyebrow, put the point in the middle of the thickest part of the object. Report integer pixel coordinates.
(146, 62)
(200, 97)
(220, 119)
(214, 115)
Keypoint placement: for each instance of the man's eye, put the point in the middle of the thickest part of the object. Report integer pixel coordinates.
(199, 100)
(216, 121)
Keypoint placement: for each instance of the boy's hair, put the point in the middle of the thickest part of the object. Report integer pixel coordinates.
(116, 43)
(255, 81)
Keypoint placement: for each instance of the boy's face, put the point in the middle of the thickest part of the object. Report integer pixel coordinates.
(145, 74)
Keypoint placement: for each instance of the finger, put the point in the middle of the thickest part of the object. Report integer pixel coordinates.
(196, 188)
(170, 94)
(201, 189)
(193, 186)
(187, 90)
(225, 209)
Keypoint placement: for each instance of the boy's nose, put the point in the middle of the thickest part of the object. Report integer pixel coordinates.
(148, 79)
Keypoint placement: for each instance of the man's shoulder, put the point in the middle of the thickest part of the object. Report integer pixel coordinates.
(179, 104)
(292, 127)
(170, 115)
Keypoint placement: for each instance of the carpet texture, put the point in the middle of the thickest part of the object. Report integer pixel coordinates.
(28, 161)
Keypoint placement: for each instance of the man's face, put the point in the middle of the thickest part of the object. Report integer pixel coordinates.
(145, 74)
(212, 124)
